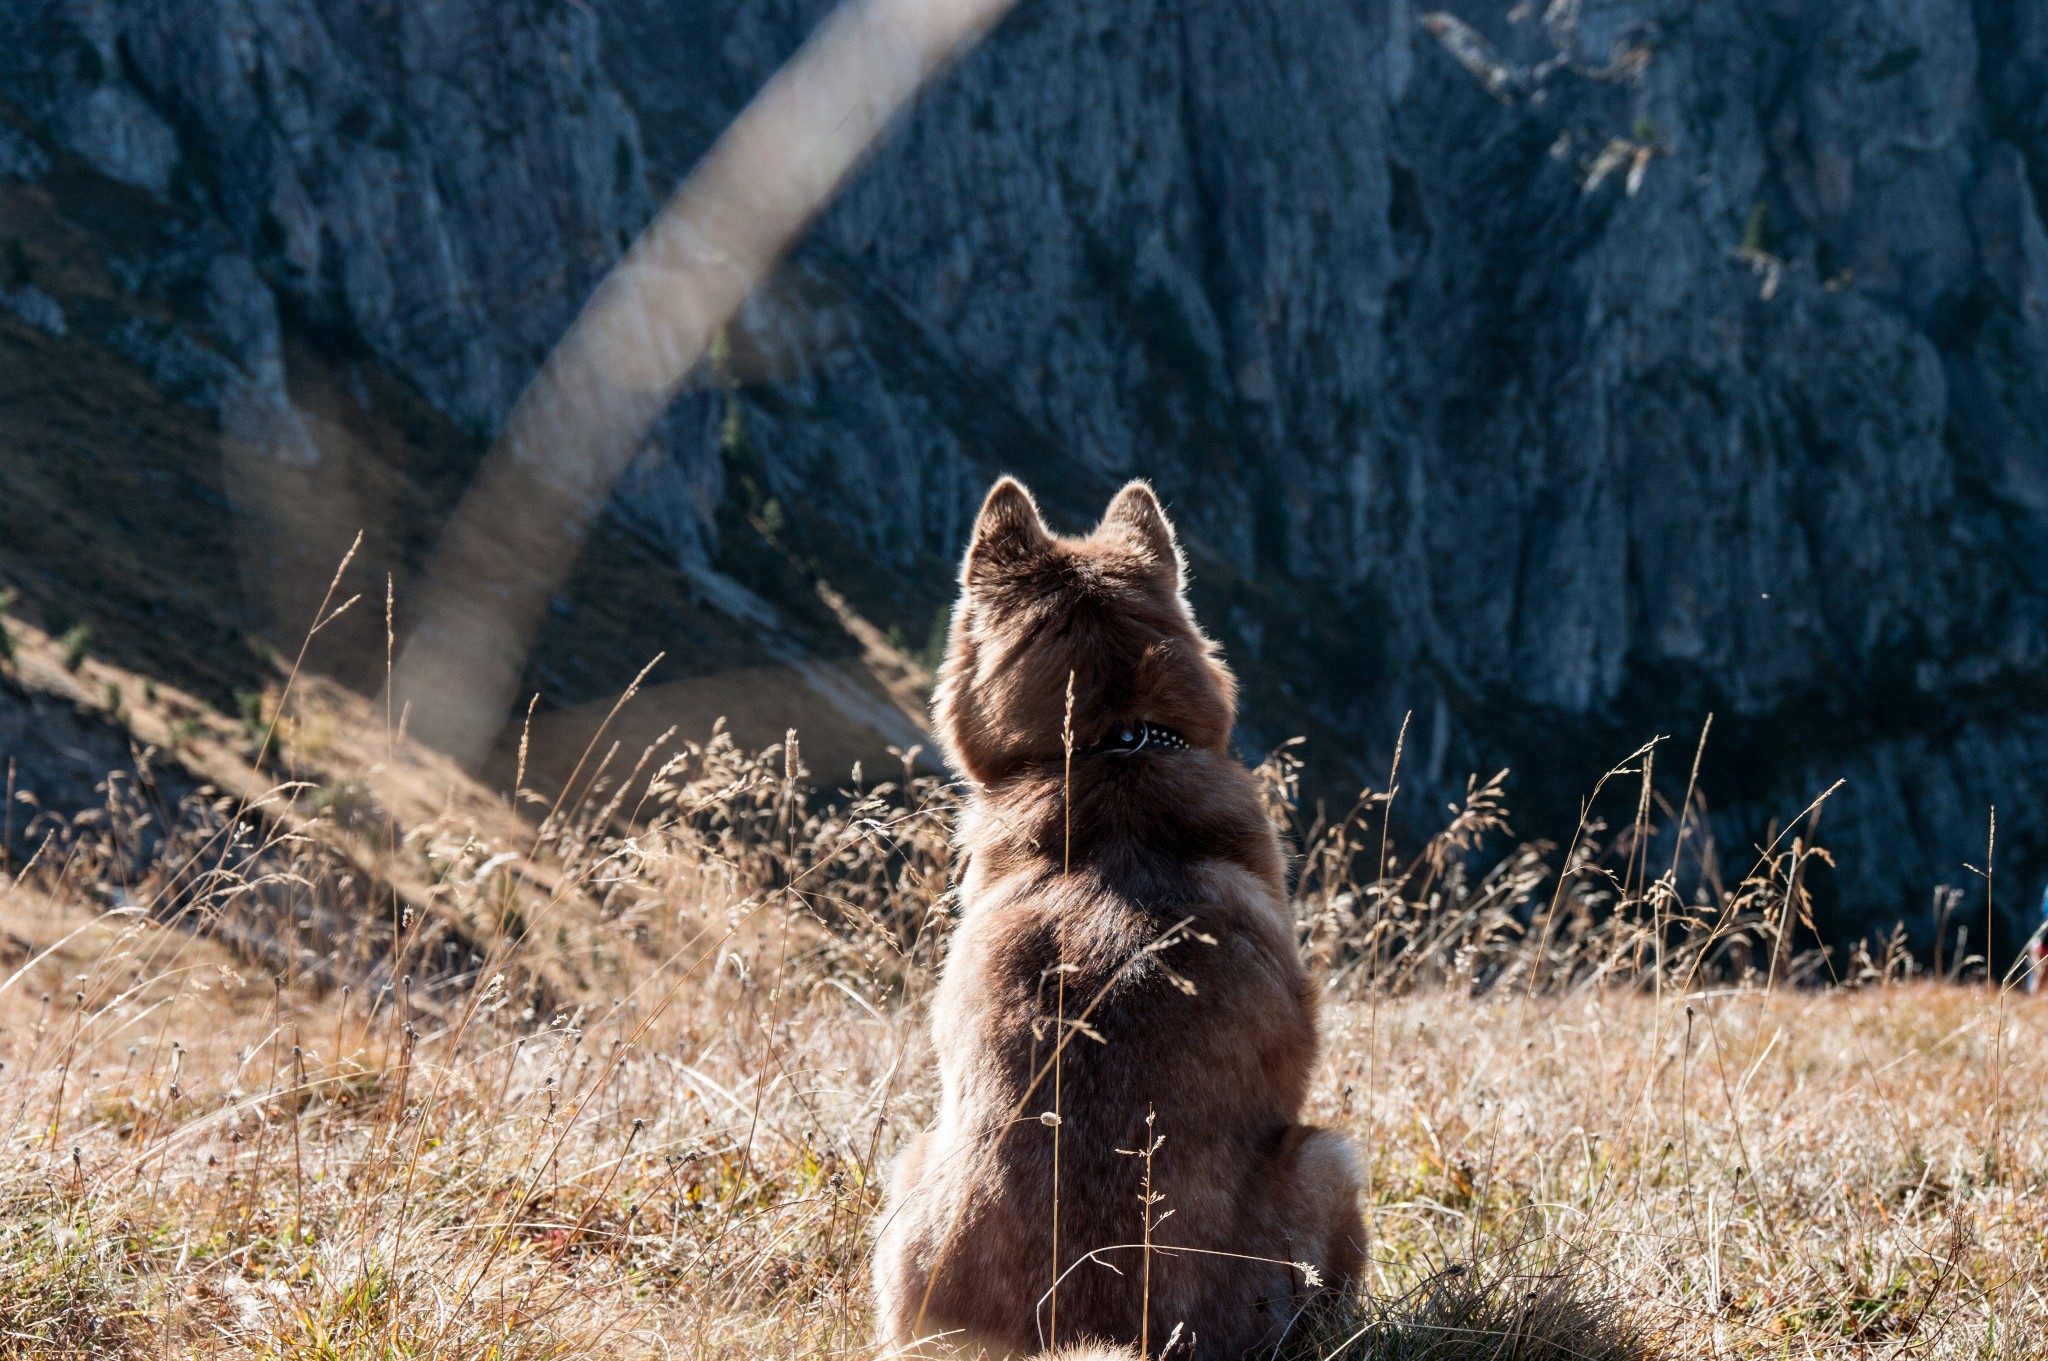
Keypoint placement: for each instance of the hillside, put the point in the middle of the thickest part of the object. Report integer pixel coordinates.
(1556, 378)
(140, 504)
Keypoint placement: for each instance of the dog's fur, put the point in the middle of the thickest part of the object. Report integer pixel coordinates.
(1215, 1033)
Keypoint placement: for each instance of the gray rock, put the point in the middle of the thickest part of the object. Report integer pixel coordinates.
(35, 307)
(1556, 378)
(445, 180)
(20, 158)
(183, 367)
(1753, 417)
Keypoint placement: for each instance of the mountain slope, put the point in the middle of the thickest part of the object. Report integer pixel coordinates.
(1556, 378)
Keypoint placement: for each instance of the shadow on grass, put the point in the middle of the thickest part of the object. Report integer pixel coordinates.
(1511, 1306)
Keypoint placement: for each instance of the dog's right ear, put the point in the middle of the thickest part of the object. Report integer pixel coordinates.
(1007, 534)
(1137, 514)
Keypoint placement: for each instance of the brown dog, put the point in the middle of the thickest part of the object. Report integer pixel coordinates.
(1143, 875)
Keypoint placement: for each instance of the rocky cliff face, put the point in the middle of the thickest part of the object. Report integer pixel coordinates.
(1559, 375)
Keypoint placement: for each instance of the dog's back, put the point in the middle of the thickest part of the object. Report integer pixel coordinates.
(1122, 876)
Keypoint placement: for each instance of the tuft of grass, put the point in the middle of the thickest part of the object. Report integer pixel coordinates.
(58, 1295)
(1513, 1305)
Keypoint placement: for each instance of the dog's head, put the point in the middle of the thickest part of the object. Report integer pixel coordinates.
(1106, 609)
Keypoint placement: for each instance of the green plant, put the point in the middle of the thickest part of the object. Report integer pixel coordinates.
(719, 352)
(249, 708)
(258, 725)
(732, 431)
(76, 642)
(935, 641)
(1756, 233)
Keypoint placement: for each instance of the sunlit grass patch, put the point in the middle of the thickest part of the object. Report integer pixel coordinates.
(655, 1118)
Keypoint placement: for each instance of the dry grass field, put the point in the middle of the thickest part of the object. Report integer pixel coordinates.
(623, 1080)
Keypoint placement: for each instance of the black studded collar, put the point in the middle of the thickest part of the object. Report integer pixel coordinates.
(1140, 735)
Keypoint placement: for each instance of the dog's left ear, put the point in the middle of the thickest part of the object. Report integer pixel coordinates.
(1137, 514)
(1007, 535)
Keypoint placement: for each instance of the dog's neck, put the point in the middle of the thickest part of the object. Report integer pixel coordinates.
(1142, 815)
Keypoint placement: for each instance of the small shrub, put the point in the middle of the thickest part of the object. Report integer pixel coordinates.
(77, 642)
(349, 804)
(257, 726)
